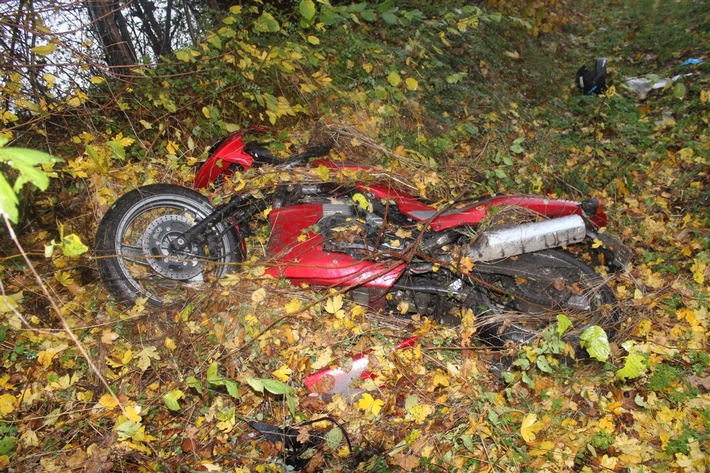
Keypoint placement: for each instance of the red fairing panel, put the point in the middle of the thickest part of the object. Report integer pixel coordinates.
(474, 214)
(297, 254)
(228, 152)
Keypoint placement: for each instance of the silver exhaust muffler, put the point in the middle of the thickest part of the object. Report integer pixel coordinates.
(528, 238)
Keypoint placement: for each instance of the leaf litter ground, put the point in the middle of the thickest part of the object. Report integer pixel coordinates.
(182, 374)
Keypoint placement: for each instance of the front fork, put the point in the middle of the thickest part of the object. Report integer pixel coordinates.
(240, 210)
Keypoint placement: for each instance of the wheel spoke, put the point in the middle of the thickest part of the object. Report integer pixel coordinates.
(134, 254)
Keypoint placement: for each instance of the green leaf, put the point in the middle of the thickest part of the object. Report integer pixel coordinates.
(232, 388)
(72, 245)
(563, 323)
(127, 429)
(24, 161)
(634, 365)
(291, 403)
(266, 23)
(679, 90)
(183, 55)
(543, 365)
(595, 341)
(307, 9)
(171, 399)
(368, 15)
(213, 377)
(334, 437)
(256, 384)
(272, 385)
(215, 41)
(7, 444)
(455, 78)
(194, 383)
(389, 17)
(118, 149)
(275, 386)
(8, 200)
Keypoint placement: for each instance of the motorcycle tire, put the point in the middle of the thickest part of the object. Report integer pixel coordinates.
(134, 254)
(522, 296)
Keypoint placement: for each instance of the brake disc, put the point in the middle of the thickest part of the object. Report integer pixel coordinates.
(157, 242)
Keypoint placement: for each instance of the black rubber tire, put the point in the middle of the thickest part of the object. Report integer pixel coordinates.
(122, 231)
(524, 300)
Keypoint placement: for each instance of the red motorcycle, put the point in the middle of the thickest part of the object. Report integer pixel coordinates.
(515, 261)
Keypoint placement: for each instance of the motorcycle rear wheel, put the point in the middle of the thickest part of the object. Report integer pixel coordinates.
(518, 298)
(134, 245)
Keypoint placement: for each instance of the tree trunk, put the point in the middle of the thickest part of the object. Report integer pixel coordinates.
(110, 25)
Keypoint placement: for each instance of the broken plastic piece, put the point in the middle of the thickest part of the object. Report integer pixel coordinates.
(692, 62)
(338, 381)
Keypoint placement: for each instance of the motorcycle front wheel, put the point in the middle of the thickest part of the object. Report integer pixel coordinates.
(517, 298)
(136, 241)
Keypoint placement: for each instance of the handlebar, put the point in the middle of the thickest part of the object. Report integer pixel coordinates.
(262, 155)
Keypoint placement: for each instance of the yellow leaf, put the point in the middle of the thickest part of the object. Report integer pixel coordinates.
(698, 270)
(77, 99)
(60, 384)
(530, 427)
(322, 173)
(50, 79)
(133, 413)
(543, 449)
(45, 49)
(334, 304)
(412, 83)
(108, 401)
(323, 360)
(283, 373)
(394, 79)
(402, 233)
(206, 112)
(171, 147)
(97, 80)
(108, 337)
(169, 343)
(293, 306)
(29, 438)
(258, 296)
(145, 356)
(362, 201)
(8, 303)
(7, 404)
(127, 356)
(368, 403)
(45, 357)
(440, 379)
(63, 277)
(419, 412)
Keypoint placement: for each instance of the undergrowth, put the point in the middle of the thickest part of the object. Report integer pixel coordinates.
(470, 101)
